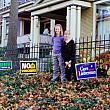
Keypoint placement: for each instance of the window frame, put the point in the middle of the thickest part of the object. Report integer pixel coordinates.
(94, 15)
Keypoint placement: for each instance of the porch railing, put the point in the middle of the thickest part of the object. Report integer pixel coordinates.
(44, 39)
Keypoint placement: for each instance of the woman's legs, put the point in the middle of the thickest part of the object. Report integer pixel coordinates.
(62, 67)
(73, 72)
(68, 74)
(55, 67)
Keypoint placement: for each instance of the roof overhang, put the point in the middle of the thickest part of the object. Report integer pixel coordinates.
(101, 1)
(44, 7)
(55, 5)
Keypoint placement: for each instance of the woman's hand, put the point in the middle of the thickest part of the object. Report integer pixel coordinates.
(69, 65)
(70, 61)
(66, 63)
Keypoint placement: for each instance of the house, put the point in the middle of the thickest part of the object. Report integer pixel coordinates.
(23, 22)
(80, 17)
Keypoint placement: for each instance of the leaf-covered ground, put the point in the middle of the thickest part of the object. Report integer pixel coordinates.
(36, 92)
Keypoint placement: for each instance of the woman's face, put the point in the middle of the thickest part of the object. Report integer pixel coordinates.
(66, 35)
(57, 30)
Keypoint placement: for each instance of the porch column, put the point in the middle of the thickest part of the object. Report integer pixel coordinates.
(36, 36)
(73, 22)
(52, 23)
(3, 32)
(32, 28)
(21, 27)
(68, 18)
(78, 25)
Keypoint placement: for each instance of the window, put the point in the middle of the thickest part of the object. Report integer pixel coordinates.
(23, 1)
(103, 20)
(6, 2)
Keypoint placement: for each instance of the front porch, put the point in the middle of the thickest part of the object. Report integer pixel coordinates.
(70, 14)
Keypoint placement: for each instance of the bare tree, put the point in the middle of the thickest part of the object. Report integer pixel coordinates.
(12, 35)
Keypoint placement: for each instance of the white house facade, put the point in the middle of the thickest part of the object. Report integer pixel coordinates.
(79, 17)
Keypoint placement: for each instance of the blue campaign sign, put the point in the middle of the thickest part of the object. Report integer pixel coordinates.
(86, 70)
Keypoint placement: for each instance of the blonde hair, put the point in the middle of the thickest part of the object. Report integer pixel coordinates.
(67, 32)
(61, 33)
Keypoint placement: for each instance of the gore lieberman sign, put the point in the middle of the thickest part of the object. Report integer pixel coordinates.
(86, 70)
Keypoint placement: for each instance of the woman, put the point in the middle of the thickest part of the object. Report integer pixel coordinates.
(68, 54)
(57, 41)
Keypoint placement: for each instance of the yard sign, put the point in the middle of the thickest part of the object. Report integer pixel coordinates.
(28, 67)
(5, 65)
(86, 70)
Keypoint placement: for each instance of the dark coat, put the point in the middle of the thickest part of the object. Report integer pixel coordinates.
(69, 51)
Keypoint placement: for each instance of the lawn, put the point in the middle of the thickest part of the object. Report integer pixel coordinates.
(36, 92)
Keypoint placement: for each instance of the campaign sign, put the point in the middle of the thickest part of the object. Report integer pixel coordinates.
(28, 67)
(86, 70)
(5, 65)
